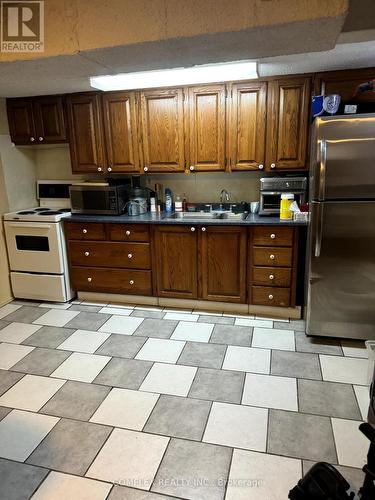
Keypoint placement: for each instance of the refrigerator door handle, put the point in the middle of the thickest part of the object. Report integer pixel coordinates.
(319, 229)
(322, 169)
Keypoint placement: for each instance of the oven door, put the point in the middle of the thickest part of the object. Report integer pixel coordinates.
(35, 247)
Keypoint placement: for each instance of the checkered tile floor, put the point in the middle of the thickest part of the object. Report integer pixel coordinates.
(108, 402)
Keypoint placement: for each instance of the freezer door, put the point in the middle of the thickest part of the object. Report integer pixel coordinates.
(341, 270)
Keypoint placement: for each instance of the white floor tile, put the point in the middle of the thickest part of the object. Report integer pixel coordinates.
(129, 458)
(177, 311)
(244, 316)
(8, 309)
(342, 369)
(121, 325)
(58, 486)
(258, 476)
(351, 445)
(31, 392)
(84, 341)
(258, 316)
(198, 332)
(21, 432)
(56, 317)
(247, 359)
(89, 303)
(253, 322)
(10, 354)
(125, 408)
(272, 338)
(120, 311)
(169, 379)
(270, 391)
(237, 426)
(15, 333)
(354, 349)
(363, 398)
(55, 305)
(81, 367)
(149, 308)
(207, 313)
(119, 306)
(181, 316)
(163, 350)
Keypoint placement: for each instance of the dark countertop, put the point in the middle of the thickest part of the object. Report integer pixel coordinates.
(161, 218)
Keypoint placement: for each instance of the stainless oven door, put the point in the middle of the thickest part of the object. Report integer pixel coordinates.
(35, 247)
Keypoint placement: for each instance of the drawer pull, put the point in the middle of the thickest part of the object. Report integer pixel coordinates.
(203, 229)
(89, 280)
(84, 231)
(99, 169)
(127, 233)
(270, 297)
(271, 277)
(130, 255)
(131, 282)
(272, 257)
(192, 229)
(272, 236)
(87, 254)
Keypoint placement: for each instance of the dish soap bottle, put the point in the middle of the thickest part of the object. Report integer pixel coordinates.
(168, 200)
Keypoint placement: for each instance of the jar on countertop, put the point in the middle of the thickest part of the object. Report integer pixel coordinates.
(285, 206)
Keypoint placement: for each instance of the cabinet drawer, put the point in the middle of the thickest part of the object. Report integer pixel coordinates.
(91, 279)
(273, 236)
(270, 296)
(271, 276)
(266, 256)
(110, 254)
(128, 232)
(81, 231)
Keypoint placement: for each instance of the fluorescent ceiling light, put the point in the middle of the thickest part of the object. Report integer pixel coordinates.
(208, 73)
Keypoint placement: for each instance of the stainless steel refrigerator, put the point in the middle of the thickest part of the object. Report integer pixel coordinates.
(341, 250)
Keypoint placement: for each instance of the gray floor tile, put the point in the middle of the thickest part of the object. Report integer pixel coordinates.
(179, 417)
(200, 354)
(88, 321)
(19, 481)
(48, 336)
(121, 346)
(354, 476)
(301, 436)
(218, 320)
(328, 398)
(232, 335)
(26, 314)
(191, 461)
(317, 345)
(298, 325)
(8, 379)
(41, 361)
(125, 373)
(70, 447)
(4, 411)
(145, 313)
(295, 364)
(76, 400)
(82, 308)
(3, 324)
(158, 328)
(218, 385)
(123, 493)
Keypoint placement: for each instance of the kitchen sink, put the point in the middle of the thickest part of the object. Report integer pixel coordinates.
(219, 214)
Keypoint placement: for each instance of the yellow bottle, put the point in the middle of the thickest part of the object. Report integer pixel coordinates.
(285, 204)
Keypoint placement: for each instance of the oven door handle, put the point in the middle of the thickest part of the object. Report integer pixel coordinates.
(30, 225)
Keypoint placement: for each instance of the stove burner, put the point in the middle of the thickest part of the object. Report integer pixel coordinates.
(27, 212)
(50, 212)
(42, 209)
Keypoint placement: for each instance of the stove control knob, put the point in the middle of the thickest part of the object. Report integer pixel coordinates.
(127, 233)
(131, 282)
(273, 165)
(89, 280)
(84, 231)
(272, 236)
(270, 297)
(272, 257)
(32, 139)
(87, 254)
(261, 167)
(271, 277)
(130, 255)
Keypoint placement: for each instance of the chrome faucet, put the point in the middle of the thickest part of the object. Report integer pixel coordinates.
(224, 196)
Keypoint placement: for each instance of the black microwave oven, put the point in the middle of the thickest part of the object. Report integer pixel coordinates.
(98, 198)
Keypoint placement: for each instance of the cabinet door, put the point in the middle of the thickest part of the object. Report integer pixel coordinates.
(223, 263)
(49, 120)
(176, 261)
(21, 122)
(206, 137)
(86, 140)
(162, 117)
(247, 126)
(287, 123)
(120, 127)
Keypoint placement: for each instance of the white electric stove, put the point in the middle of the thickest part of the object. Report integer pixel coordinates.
(36, 246)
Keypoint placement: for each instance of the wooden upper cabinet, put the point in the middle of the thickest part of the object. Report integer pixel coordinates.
(206, 125)
(85, 128)
(21, 121)
(223, 263)
(162, 119)
(287, 123)
(176, 250)
(120, 127)
(50, 120)
(247, 126)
